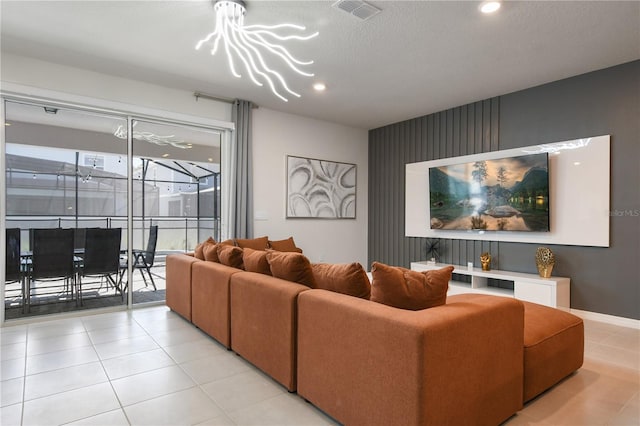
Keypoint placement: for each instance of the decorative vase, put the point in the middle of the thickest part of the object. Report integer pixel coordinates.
(485, 260)
(545, 260)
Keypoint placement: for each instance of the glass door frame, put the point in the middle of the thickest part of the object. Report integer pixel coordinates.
(225, 129)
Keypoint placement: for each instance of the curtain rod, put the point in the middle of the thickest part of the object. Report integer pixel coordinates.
(219, 99)
(213, 98)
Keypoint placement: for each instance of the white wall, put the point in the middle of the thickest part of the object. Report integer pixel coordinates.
(276, 135)
(74, 81)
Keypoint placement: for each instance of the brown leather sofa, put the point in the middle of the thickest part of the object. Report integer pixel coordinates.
(474, 360)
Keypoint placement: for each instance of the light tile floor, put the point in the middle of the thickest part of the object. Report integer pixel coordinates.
(151, 367)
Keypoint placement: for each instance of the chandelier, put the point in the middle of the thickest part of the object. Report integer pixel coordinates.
(249, 44)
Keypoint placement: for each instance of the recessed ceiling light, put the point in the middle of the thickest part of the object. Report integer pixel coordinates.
(165, 155)
(489, 6)
(7, 124)
(210, 160)
(319, 87)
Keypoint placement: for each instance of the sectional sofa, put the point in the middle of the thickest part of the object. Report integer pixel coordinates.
(475, 359)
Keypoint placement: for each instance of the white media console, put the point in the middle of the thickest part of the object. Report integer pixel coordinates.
(553, 291)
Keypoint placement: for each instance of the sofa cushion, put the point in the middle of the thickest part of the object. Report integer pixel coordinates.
(199, 251)
(293, 267)
(255, 261)
(261, 243)
(230, 255)
(285, 245)
(346, 278)
(406, 289)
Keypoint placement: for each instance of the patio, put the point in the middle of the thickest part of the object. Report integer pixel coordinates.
(95, 294)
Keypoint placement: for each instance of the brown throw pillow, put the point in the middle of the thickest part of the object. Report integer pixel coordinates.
(406, 289)
(345, 278)
(285, 245)
(261, 243)
(211, 250)
(293, 267)
(255, 261)
(230, 255)
(199, 251)
(211, 253)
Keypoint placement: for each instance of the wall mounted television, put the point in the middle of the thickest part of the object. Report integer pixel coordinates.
(504, 194)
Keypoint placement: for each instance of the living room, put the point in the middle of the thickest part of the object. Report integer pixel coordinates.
(600, 100)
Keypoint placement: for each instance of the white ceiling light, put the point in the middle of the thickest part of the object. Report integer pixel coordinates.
(489, 6)
(249, 43)
(319, 87)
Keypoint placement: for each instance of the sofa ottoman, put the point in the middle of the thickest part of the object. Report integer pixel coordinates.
(553, 347)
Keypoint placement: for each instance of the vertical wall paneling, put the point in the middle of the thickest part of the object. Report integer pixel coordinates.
(464, 130)
(603, 102)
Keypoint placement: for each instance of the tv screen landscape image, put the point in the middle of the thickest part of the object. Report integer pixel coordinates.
(505, 194)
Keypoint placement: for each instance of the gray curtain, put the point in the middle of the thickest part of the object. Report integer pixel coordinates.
(242, 196)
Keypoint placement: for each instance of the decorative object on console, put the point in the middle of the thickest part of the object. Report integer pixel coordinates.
(433, 247)
(320, 189)
(485, 260)
(251, 44)
(545, 259)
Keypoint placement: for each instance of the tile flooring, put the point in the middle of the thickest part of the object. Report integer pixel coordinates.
(150, 367)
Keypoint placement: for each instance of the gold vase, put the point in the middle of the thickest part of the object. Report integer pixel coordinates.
(545, 270)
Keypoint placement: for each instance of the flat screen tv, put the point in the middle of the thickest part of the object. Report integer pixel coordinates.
(505, 194)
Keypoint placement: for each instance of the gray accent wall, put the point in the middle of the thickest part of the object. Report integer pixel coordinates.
(603, 280)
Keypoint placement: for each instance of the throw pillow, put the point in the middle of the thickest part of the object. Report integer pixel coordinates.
(406, 289)
(346, 278)
(230, 255)
(285, 245)
(199, 251)
(291, 267)
(211, 250)
(261, 243)
(255, 261)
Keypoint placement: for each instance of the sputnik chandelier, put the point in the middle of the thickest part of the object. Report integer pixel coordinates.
(249, 43)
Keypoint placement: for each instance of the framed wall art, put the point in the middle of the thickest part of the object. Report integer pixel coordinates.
(320, 189)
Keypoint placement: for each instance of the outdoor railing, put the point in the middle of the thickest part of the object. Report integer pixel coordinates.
(175, 234)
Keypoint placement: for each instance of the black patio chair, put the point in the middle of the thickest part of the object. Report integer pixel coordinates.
(13, 272)
(53, 259)
(13, 266)
(143, 259)
(101, 257)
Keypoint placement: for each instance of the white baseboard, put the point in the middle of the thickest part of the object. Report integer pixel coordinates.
(609, 319)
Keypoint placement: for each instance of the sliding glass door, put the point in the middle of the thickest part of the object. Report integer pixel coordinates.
(64, 169)
(176, 198)
(76, 169)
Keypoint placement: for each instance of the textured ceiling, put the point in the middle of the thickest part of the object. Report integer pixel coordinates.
(414, 58)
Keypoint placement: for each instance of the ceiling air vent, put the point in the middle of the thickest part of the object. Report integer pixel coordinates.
(357, 8)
